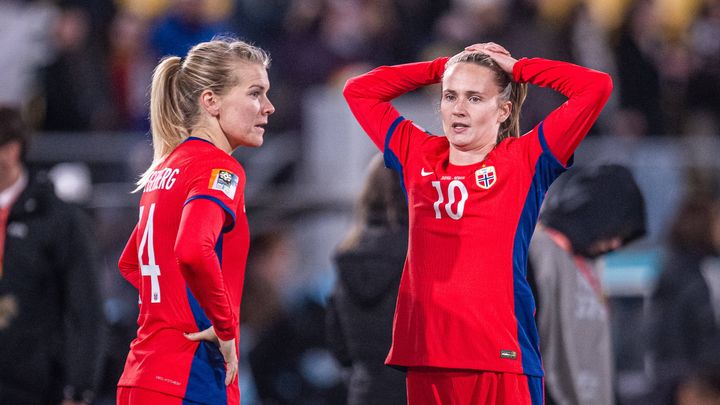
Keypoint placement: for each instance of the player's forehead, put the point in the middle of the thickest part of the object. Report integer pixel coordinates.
(252, 75)
(464, 77)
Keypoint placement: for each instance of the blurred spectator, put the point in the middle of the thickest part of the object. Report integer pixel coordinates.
(131, 66)
(185, 24)
(25, 33)
(704, 85)
(682, 329)
(288, 352)
(76, 83)
(589, 212)
(701, 388)
(636, 49)
(50, 309)
(369, 264)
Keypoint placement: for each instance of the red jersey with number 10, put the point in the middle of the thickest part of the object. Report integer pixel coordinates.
(161, 358)
(464, 302)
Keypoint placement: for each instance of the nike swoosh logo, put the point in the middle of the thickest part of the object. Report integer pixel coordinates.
(424, 173)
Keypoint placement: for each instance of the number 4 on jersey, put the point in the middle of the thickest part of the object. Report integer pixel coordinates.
(151, 269)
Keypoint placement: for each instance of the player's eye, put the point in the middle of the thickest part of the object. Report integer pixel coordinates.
(449, 97)
(474, 99)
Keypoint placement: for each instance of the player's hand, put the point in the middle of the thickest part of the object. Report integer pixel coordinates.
(500, 55)
(227, 349)
(487, 46)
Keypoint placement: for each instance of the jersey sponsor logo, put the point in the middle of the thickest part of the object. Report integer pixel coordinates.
(508, 354)
(424, 173)
(485, 177)
(225, 181)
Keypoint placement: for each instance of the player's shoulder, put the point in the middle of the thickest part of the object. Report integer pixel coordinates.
(202, 156)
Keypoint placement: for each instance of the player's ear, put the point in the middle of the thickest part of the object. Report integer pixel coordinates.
(210, 102)
(505, 110)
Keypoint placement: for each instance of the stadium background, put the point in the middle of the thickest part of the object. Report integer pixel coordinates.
(80, 71)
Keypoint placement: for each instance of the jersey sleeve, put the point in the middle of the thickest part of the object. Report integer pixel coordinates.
(369, 97)
(200, 229)
(129, 264)
(587, 91)
(221, 181)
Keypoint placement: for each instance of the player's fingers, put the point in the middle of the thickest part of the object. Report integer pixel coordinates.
(497, 48)
(207, 334)
(231, 370)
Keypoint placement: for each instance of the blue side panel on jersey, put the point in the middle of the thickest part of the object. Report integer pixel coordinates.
(206, 383)
(207, 376)
(226, 228)
(547, 169)
(391, 159)
(537, 393)
(546, 148)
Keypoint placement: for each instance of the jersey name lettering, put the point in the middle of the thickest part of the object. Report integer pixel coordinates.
(161, 179)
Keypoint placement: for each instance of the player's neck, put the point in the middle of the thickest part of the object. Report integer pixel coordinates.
(217, 138)
(468, 157)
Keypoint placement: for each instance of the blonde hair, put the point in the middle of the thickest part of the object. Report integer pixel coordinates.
(509, 90)
(178, 82)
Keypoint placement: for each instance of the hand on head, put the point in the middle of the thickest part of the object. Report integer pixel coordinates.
(498, 53)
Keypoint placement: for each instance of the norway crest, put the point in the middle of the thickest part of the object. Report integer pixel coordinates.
(485, 177)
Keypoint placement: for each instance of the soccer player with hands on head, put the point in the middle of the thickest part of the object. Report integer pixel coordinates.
(464, 326)
(187, 254)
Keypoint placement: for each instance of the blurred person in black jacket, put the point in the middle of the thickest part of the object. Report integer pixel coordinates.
(50, 307)
(682, 324)
(369, 264)
(589, 212)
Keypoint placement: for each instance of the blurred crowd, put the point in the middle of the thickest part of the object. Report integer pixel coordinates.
(84, 65)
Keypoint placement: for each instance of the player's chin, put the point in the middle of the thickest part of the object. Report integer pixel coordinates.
(256, 139)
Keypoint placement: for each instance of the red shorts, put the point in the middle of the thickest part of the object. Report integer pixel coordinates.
(438, 386)
(141, 396)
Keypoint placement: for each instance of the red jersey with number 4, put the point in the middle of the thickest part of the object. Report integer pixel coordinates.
(464, 302)
(161, 358)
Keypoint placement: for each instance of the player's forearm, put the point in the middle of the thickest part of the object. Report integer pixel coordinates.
(573, 81)
(388, 82)
(369, 95)
(200, 228)
(588, 90)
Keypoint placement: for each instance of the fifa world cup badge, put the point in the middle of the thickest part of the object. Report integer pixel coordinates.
(225, 181)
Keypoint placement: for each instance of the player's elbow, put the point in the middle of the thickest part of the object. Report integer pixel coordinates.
(604, 85)
(350, 90)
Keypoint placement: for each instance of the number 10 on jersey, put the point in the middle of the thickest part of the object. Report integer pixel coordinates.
(150, 269)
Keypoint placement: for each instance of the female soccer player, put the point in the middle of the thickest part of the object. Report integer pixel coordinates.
(187, 253)
(464, 326)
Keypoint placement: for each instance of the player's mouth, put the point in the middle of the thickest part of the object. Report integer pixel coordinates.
(261, 126)
(459, 127)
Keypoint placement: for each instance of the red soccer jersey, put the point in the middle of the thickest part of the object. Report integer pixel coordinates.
(464, 301)
(161, 358)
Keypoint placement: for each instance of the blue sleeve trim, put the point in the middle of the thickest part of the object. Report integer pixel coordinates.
(226, 228)
(391, 160)
(548, 152)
